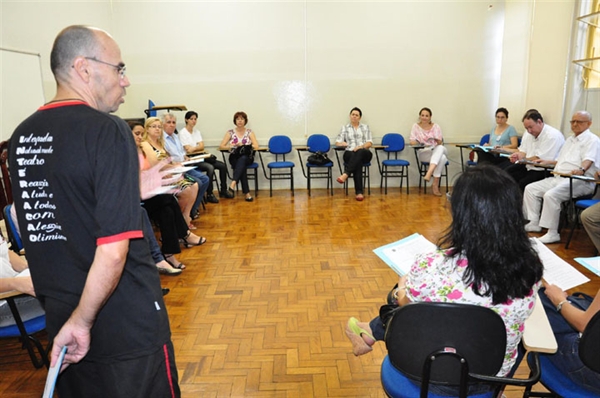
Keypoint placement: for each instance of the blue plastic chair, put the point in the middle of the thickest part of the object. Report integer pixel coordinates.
(13, 236)
(317, 143)
(580, 206)
(280, 169)
(557, 382)
(393, 144)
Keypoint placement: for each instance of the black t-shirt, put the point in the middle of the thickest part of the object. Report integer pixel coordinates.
(75, 177)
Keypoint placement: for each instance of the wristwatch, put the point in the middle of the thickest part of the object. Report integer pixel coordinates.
(560, 305)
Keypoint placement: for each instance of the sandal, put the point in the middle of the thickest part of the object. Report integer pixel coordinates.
(179, 265)
(354, 333)
(190, 244)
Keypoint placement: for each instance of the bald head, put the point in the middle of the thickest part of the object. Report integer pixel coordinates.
(580, 122)
(72, 42)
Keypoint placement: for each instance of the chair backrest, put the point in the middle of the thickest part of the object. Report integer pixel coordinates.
(13, 235)
(318, 142)
(393, 141)
(485, 139)
(280, 144)
(151, 105)
(448, 331)
(589, 345)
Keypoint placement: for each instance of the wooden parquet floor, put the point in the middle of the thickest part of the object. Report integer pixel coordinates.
(261, 308)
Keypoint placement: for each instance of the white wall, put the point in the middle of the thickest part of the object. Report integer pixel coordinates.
(297, 67)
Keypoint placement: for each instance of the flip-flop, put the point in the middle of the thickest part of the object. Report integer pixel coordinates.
(180, 266)
(354, 332)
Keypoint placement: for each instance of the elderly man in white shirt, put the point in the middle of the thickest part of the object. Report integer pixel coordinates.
(541, 142)
(580, 155)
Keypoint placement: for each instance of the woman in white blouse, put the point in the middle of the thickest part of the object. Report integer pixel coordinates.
(356, 138)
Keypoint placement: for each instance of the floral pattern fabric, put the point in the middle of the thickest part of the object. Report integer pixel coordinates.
(438, 278)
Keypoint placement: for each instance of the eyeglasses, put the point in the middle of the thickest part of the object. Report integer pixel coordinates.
(121, 69)
(578, 121)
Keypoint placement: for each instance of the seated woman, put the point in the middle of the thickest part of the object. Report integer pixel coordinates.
(502, 136)
(233, 140)
(356, 138)
(568, 317)
(154, 149)
(165, 211)
(192, 142)
(14, 275)
(430, 134)
(482, 260)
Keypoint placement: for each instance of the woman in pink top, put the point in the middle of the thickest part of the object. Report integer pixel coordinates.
(430, 134)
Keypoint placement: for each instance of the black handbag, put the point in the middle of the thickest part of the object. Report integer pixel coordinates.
(212, 159)
(319, 158)
(243, 150)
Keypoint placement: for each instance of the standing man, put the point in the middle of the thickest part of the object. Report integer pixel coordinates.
(175, 149)
(75, 176)
(579, 156)
(191, 138)
(541, 142)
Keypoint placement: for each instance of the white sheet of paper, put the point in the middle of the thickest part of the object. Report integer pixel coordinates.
(180, 169)
(556, 270)
(400, 255)
(591, 263)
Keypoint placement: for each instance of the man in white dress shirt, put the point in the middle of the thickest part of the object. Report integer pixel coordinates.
(580, 155)
(540, 142)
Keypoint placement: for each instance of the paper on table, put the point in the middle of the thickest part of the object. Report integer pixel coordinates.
(400, 255)
(591, 263)
(194, 160)
(53, 374)
(181, 169)
(556, 270)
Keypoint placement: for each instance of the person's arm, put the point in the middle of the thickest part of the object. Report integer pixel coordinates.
(102, 279)
(192, 149)
(400, 292)
(514, 144)
(585, 165)
(21, 284)
(515, 157)
(225, 142)
(18, 263)
(576, 317)
(254, 140)
(436, 132)
(341, 138)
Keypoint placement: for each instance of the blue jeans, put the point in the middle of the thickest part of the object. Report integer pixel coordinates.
(567, 358)
(203, 182)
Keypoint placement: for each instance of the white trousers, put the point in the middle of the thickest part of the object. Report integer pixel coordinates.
(437, 156)
(553, 191)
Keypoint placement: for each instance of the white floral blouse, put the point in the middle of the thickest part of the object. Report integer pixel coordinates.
(435, 277)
